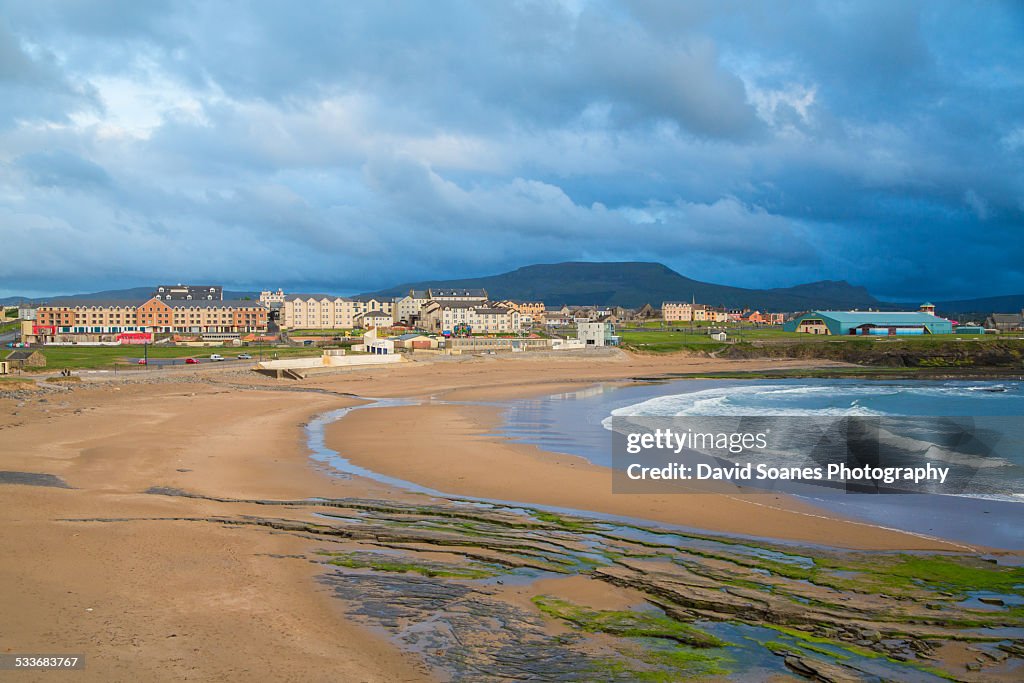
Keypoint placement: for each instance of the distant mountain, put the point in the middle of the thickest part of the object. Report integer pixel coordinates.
(131, 295)
(629, 284)
(633, 284)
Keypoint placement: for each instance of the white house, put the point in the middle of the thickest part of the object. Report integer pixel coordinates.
(595, 334)
(374, 319)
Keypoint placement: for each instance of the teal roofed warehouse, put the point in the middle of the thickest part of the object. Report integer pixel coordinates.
(872, 323)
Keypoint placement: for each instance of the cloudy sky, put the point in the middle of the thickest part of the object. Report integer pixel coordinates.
(347, 146)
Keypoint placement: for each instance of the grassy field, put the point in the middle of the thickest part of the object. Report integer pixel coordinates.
(9, 325)
(664, 341)
(764, 333)
(667, 342)
(93, 357)
(638, 324)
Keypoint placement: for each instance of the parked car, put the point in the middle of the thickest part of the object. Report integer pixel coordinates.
(244, 356)
(141, 361)
(191, 361)
(216, 356)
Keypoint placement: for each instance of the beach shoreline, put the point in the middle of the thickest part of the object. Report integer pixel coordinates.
(162, 487)
(461, 454)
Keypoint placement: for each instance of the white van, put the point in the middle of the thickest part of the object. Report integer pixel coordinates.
(216, 356)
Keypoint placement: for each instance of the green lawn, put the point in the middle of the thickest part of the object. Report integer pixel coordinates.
(667, 342)
(641, 324)
(92, 357)
(765, 333)
(8, 326)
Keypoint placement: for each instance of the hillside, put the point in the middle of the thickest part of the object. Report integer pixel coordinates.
(634, 284)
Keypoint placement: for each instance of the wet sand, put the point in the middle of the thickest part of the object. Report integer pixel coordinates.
(150, 597)
(455, 453)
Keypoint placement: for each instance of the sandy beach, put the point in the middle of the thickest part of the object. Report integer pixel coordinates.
(156, 586)
(456, 455)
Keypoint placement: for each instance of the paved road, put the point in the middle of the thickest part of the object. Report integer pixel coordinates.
(157, 362)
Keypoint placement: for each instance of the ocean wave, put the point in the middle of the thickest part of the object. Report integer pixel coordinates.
(927, 450)
(825, 400)
(751, 401)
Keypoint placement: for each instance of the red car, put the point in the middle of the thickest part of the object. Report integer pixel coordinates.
(142, 361)
(191, 361)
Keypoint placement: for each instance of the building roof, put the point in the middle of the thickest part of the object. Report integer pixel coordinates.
(93, 303)
(374, 314)
(210, 303)
(20, 355)
(478, 293)
(458, 304)
(410, 335)
(318, 297)
(1007, 317)
(173, 303)
(877, 317)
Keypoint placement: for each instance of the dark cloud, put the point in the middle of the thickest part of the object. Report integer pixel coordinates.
(62, 169)
(351, 145)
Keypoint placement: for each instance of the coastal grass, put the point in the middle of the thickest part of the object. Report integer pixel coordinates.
(95, 357)
(668, 342)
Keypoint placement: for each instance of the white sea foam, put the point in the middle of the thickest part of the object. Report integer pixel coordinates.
(749, 401)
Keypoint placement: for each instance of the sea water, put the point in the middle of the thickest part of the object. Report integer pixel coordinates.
(991, 514)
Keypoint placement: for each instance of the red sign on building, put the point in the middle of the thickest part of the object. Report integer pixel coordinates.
(135, 338)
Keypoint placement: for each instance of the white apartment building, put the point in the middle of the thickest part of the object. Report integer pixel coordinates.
(268, 297)
(677, 311)
(323, 312)
(477, 318)
(374, 319)
(408, 308)
(684, 311)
